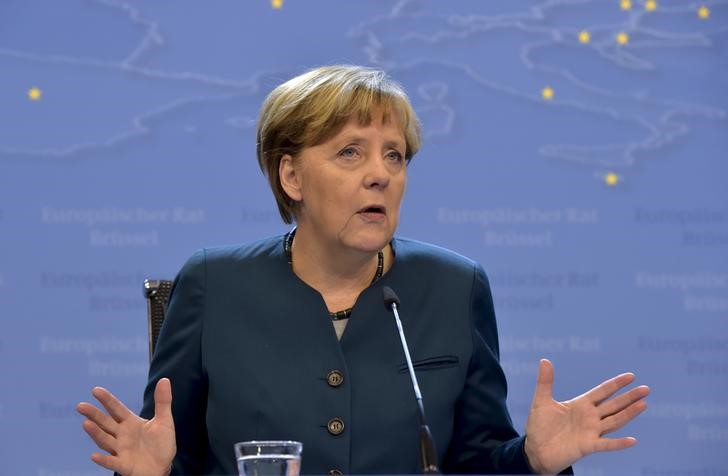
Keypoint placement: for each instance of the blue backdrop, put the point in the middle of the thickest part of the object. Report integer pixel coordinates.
(576, 148)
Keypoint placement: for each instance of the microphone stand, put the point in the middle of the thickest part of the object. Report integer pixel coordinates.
(428, 453)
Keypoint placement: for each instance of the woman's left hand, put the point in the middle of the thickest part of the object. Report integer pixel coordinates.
(560, 433)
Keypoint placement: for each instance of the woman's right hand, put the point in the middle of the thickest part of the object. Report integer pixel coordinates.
(136, 447)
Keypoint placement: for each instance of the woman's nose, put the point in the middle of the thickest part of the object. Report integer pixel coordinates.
(377, 173)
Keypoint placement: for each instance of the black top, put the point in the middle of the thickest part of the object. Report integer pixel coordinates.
(251, 351)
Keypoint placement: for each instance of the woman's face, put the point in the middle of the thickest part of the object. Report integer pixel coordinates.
(350, 187)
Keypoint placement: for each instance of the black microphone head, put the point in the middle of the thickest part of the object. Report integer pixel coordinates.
(390, 297)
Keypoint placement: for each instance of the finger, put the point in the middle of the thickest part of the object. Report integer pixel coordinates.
(609, 387)
(163, 401)
(103, 420)
(102, 439)
(544, 383)
(113, 405)
(619, 403)
(618, 420)
(107, 461)
(614, 444)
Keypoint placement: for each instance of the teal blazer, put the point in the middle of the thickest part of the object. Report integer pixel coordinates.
(251, 350)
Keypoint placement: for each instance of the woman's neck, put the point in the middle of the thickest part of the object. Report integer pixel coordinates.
(333, 269)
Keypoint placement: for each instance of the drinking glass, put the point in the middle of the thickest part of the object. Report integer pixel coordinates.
(268, 458)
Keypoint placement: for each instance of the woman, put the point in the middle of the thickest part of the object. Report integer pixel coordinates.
(249, 351)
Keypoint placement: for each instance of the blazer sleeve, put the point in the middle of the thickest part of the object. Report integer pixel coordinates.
(484, 440)
(178, 356)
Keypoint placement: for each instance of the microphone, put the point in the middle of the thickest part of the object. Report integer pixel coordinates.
(428, 453)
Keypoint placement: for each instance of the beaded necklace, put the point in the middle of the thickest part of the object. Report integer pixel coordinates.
(346, 313)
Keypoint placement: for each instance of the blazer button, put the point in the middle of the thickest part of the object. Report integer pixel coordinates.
(335, 472)
(335, 378)
(335, 426)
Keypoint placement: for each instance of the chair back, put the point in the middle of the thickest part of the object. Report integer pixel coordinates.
(156, 292)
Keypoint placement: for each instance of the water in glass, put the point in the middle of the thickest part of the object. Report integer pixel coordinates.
(269, 465)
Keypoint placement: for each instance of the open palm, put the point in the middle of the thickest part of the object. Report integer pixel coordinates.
(135, 446)
(560, 433)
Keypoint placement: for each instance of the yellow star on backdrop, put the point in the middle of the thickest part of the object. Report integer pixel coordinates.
(704, 12)
(277, 4)
(650, 5)
(611, 179)
(34, 94)
(622, 38)
(547, 93)
(584, 36)
(625, 4)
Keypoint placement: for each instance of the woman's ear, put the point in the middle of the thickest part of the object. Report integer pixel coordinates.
(290, 178)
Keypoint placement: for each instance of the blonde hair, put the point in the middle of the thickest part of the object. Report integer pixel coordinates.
(313, 107)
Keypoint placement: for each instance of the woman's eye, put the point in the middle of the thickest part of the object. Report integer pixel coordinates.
(349, 152)
(395, 156)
